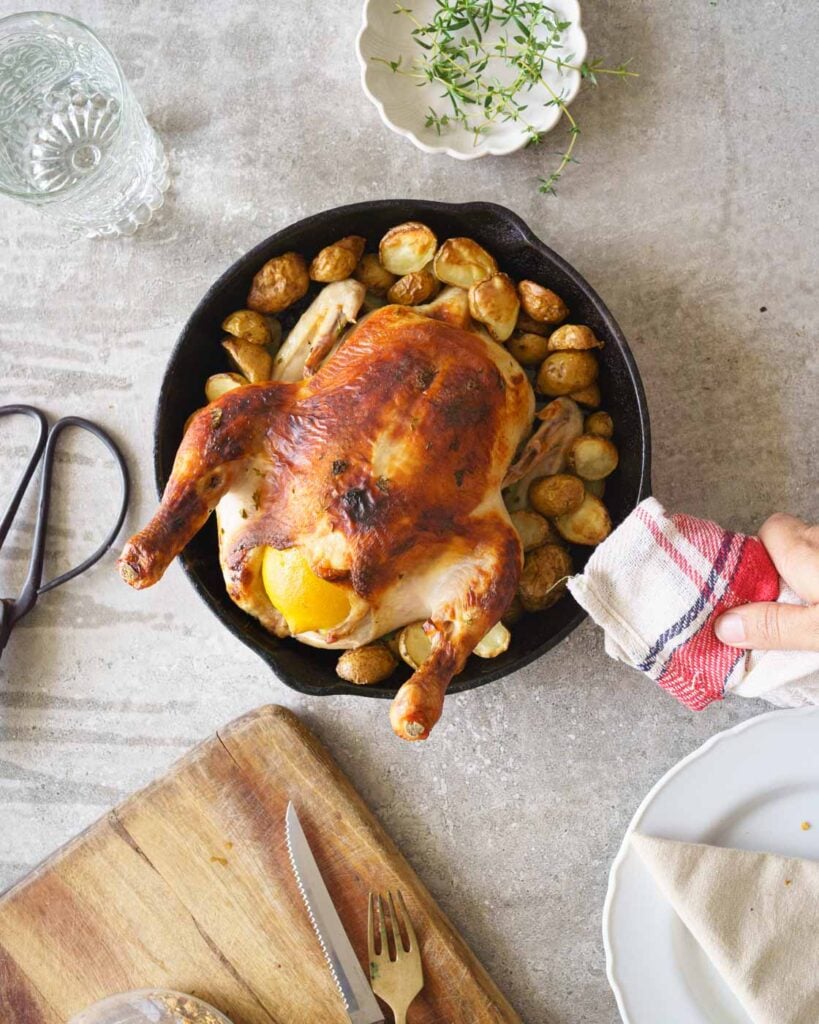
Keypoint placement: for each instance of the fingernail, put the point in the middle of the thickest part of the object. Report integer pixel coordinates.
(730, 629)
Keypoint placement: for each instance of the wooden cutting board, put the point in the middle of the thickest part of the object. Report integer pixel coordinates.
(187, 885)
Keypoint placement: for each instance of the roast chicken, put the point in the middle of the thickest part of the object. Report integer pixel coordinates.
(382, 470)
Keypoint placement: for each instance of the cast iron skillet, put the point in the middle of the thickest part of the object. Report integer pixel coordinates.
(198, 354)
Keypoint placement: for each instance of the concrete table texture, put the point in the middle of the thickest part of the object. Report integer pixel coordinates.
(693, 211)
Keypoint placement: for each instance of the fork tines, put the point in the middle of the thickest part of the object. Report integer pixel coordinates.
(395, 912)
(396, 973)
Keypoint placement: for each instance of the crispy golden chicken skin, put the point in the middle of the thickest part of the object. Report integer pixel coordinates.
(385, 470)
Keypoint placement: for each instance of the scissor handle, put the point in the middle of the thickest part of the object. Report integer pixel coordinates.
(38, 554)
(33, 586)
(28, 470)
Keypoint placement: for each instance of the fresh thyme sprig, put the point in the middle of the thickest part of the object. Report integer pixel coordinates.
(467, 44)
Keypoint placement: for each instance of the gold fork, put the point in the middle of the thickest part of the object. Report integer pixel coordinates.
(397, 980)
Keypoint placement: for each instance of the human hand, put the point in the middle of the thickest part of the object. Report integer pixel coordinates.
(794, 550)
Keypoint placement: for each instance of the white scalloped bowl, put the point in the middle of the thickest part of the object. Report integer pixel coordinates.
(404, 104)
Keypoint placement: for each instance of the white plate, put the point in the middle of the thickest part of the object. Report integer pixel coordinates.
(403, 105)
(749, 788)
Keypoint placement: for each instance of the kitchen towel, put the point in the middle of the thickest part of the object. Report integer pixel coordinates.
(658, 584)
(754, 915)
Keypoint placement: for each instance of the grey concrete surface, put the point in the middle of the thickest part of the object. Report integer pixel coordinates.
(692, 208)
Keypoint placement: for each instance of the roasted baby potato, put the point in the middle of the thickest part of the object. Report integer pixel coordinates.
(541, 303)
(494, 302)
(596, 487)
(600, 423)
(391, 640)
(557, 494)
(494, 643)
(532, 529)
(372, 302)
(412, 289)
(543, 580)
(366, 665)
(526, 325)
(254, 361)
(573, 337)
(462, 262)
(407, 248)
(281, 282)
(249, 326)
(275, 328)
(220, 383)
(337, 262)
(373, 276)
(563, 373)
(528, 349)
(451, 306)
(588, 396)
(592, 457)
(590, 524)
(414, 645)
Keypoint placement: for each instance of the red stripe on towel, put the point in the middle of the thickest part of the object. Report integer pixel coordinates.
(698, 670)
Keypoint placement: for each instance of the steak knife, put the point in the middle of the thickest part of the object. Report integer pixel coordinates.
(362, 1006)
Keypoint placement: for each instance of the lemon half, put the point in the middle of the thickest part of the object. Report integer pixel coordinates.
(305, 600)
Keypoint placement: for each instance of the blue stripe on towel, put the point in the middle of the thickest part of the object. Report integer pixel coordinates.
(685, 620)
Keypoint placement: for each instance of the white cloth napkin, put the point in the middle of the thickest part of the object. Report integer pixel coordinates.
(756, 915)
(658, 584)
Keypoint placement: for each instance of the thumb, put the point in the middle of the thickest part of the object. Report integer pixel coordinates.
(770, 627)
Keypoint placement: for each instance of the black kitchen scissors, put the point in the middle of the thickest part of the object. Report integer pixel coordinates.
(13, 609)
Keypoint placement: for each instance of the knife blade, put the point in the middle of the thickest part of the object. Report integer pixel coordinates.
(362, 1006)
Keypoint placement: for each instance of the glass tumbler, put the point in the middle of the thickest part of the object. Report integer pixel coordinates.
(73, 139)
(150, 1006)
